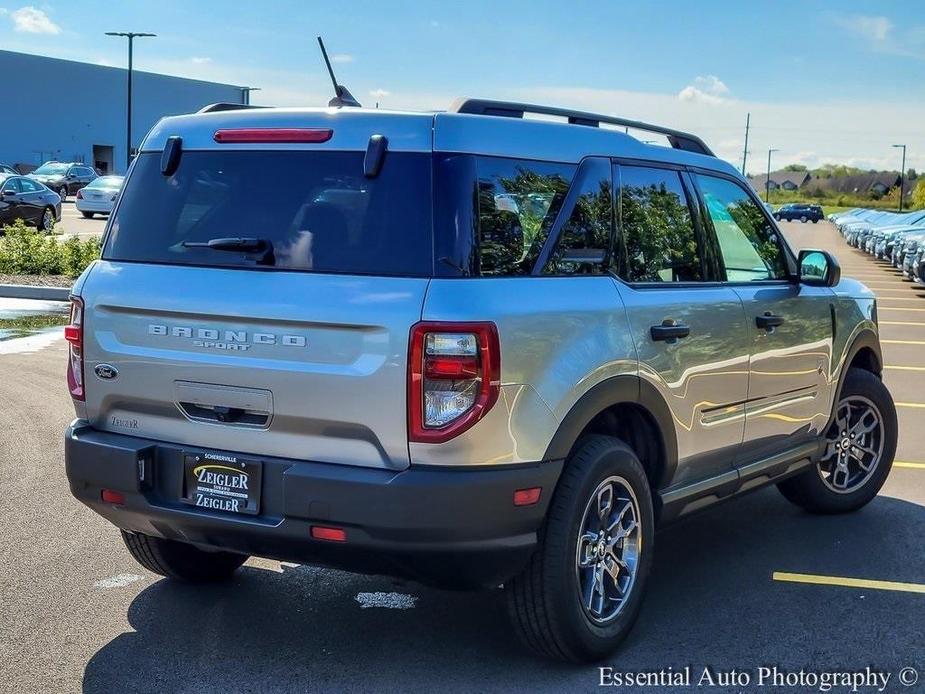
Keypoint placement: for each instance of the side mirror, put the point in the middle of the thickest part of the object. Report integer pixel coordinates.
(818, 268)
(8, 195)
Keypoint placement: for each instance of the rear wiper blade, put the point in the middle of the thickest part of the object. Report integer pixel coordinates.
(242, 244)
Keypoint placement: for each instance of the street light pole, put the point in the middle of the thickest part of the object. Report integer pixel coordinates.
(767, 179)
(902, 178)
(246, 94)
(131, 36)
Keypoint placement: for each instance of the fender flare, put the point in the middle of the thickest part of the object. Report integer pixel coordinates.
(866, 338)
(614, 391)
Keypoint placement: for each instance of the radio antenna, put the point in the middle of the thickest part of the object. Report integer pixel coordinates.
(342, 96)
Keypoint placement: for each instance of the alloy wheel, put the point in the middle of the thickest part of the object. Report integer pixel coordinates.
(608, 550)
(854, 445)
(48, 220)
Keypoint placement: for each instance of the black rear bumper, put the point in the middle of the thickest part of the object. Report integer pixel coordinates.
(449, 527)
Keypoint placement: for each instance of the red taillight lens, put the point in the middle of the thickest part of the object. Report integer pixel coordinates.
(113, 497)
(527, 497)
(250, 135)
(320, 532)
(454, 377)
(74, 334)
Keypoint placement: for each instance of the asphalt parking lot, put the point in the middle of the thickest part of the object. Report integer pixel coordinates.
(79, 614)
(73, 222)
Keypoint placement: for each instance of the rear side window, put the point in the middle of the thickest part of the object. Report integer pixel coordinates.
(316, 209)
(585, 239)
(657, 242)
(518, 201)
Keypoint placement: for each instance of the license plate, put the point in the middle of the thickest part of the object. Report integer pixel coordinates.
(219, 482)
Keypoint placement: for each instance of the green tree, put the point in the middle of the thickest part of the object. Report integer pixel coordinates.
(795, 167)
(918, 195)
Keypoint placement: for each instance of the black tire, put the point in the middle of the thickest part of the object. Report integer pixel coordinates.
(88, 215)
(62, 193)
(809, 491)
(815, 221)
(180, 560)
(777, 217)
(803, 219)
(42, 225)
(544, 601)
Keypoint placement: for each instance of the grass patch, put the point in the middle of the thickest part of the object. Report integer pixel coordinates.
(36, 322)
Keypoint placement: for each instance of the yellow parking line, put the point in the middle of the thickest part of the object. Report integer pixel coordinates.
(912, 466)
(906, 297)
(905, 368)
(902, 342)
(849, 582)
(899, 322)
(898, 308)
(917, 405)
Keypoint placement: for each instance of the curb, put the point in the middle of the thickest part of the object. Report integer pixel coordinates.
(26, 291)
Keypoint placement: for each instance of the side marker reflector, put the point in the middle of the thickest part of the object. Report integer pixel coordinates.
(527, 497)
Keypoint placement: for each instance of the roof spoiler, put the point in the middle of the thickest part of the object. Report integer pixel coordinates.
(513, 109)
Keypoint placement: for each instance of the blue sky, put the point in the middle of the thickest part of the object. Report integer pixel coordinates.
(823, 81)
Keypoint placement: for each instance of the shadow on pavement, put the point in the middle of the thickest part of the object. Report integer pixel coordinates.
(711, 602)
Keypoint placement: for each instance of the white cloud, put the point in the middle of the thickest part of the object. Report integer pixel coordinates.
(30, 20)
(875, 29)
(200, 60)
(379, 93)
(707, 89)
(342, 58)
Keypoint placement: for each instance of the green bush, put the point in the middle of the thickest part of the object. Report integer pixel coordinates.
(27, 251)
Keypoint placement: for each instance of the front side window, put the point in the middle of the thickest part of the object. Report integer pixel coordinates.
(748, 244)
(584, 240)
(11, 186)
(518, 201)
(657, 242)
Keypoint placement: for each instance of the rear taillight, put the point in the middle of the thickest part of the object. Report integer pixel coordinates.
(454, 378)
(80, 195)
(74, 334)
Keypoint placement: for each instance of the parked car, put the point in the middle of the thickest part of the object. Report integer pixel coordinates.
(28, 200)
(800, 212)
(508, 387)
(64, 178)
(9, 170)
(99, 196)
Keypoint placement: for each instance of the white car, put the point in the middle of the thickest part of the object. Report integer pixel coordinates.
(99, 197)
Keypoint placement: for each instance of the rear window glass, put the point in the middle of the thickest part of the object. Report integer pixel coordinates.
(316, 210)
(518, 201)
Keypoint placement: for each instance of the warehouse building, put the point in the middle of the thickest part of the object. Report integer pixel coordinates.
(70, 111)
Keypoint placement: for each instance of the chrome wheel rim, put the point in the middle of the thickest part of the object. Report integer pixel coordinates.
(47, 220)
(854, 445)
(608, 549)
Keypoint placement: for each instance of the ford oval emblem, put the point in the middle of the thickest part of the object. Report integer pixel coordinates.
(107, 371)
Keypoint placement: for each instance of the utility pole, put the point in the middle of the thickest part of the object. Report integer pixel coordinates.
(246, 94)
(131, 36)
(902, 178)
(748, 119)
(767, 180)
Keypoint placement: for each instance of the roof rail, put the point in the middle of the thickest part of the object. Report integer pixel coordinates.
(225, 106)
(512, 109)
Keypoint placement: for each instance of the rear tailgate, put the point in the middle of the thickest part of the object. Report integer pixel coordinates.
(309, 367)
(289, 336)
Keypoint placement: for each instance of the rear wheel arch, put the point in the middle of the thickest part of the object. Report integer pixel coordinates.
(630, 409)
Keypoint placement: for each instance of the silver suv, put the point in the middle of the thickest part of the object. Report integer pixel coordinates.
(468, 347)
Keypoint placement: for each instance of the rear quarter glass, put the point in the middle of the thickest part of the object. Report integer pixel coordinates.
(317, 209)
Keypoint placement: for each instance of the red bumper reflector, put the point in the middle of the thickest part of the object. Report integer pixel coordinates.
(273, 135)
(113, 497)
(527, 497)
(319, 532)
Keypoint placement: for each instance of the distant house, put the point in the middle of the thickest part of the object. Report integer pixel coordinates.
(859, 184)
(781, 180)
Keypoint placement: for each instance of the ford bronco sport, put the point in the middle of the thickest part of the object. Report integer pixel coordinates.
(468, 347)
